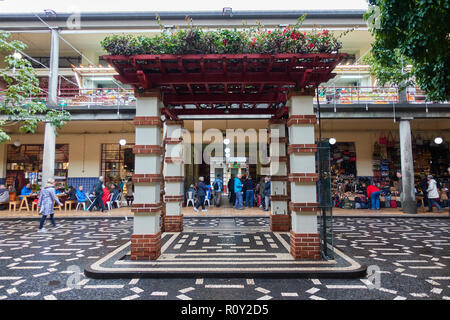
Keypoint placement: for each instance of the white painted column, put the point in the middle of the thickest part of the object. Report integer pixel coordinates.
(48, 159)
(407, 165)
(279, 217)
(173, 176)
(147, 178)
(303, 177)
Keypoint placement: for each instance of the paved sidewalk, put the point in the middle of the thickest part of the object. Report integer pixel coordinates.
(221, 212)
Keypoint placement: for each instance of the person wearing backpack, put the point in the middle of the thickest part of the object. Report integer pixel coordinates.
(218, 188)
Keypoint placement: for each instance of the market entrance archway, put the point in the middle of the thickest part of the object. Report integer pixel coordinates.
(169, 87)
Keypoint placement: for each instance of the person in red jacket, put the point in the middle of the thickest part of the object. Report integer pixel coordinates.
(373, 193)
(105, 196)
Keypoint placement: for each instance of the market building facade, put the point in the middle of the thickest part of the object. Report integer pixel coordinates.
(113, 126)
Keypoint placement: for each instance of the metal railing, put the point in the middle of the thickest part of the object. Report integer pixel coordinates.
(327, 95)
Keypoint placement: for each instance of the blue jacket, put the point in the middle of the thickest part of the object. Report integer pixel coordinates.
(25, 191)
(81, 196)
(219, 185)
(201, 189)
(237, 185)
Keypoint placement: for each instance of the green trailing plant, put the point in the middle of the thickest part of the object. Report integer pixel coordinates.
(194, 40)
(19, 102)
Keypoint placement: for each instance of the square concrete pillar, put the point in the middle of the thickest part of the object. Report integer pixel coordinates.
(304, 236)
(146, 238)
(279, 213)
(173, 175)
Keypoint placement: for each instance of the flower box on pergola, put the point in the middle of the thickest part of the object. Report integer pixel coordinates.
(224, 83)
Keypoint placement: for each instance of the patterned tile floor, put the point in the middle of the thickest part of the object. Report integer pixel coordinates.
(410, 257)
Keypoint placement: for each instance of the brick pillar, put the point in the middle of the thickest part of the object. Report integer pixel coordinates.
(146, 238)
(279, 217)
(173, 176)
(304, 237)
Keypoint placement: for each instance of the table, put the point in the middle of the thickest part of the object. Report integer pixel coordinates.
(24, 202)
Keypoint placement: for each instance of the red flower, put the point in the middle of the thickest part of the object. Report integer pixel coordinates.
(310, 45)
(269, 32)
(225, 41)
(325, 32)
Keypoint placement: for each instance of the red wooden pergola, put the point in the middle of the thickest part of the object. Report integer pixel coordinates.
(216, 84)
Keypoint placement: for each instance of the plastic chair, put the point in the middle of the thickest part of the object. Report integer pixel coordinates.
(190, 199)
(108, 202)
(118, 200)
(83, 203)
(208, 195)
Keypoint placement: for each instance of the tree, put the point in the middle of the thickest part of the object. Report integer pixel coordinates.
(412, 44)
(19, 102)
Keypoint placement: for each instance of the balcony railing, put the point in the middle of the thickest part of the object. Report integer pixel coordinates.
(327, 95)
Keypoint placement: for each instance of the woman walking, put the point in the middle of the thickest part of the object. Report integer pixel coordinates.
(45, 204)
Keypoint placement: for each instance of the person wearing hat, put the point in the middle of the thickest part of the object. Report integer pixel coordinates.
(45, 203)
(433, 194)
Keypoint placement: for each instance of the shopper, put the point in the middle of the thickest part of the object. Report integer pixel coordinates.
(267, 187)
(98, 191)
(238, 191)
(201, 193)
(218, 188)
(262, 190)
(433, 194)
(249, 186)
(373, 193)
(231, 190)
(129, 192)
(4, 197)
(46, 203)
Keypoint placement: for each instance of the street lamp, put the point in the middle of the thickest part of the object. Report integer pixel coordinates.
(332, 141)
(226, 141)
(122, 142)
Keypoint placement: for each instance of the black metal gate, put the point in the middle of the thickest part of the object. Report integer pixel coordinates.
(325, 214)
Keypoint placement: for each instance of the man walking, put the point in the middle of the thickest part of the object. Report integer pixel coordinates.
(433, 194)
(98, 191)
(201, 193)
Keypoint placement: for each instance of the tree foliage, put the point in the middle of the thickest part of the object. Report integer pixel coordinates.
(19, 102)
(412, 44)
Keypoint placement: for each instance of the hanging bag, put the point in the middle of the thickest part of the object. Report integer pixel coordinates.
(390, 140)
(382, 140)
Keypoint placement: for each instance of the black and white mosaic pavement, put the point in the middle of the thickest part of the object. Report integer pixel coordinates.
(407, 259)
